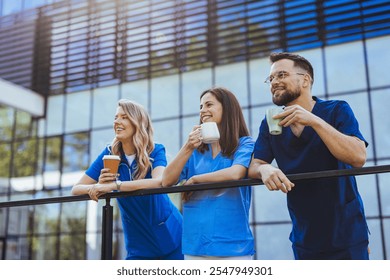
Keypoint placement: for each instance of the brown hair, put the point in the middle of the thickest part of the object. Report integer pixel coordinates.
(299, 61)
(231, 128)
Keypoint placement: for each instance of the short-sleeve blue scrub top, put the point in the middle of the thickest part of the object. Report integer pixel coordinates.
(327, 214)
(152, 225)
(216, 222)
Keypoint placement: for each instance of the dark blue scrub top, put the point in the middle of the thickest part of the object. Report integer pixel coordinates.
(327, 214)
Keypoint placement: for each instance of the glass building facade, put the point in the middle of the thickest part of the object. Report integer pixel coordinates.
(84, 55)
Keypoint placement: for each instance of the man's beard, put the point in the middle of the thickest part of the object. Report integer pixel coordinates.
(286, 97)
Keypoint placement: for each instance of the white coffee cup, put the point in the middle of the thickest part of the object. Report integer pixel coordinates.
(273, 124)
(210, 132)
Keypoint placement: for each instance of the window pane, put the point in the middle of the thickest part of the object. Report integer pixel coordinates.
(43, 247)
(77, 111)
(72, 247)
(6, 123)
(73, 217)
(10, 7)
(362, 114)
(46, 218)
(387, 233)
(369, 194)
(167, 133)
(260, 91)
(384, 189)
(194, 83)
(165, 97)
(19, 222)
(380, 100)
(105, 102)
(273, 243)
(17, 249)
(24, 158)
(234, 78)
(76, 152)
(55, 115)
(349, 78)
(24, 125)
(136, 91)
(376, 239)
(5, 155)
(99, 140)
(378, 61)
(3, 220)
(51, 175)
(270, 206)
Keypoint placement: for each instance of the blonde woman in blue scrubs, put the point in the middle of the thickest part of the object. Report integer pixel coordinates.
(152, 225)
(215, 222)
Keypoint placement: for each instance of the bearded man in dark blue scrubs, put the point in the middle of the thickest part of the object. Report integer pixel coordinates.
(327, 214)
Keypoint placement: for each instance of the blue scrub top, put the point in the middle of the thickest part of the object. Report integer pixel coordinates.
(216, 222)
(327, 214)
(152, 225)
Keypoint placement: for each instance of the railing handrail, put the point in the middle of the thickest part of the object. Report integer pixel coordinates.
(203, 186)
(107, 214)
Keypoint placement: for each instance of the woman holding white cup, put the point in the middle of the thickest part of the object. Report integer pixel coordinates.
(215, 222)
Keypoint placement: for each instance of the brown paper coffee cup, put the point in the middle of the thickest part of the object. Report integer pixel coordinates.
(111, 162)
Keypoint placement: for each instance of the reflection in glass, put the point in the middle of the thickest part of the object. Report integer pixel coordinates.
(6, 123)
(51, 169)
(380, 100)
(387, 233)
(362, 114)
(17, 249)
(369, 194)
(24, 158)
(165, 95)
(93, 245)
(75, 152)
(53, 153)
(136, 91)
(72, 247)
(77, 111)
(234, 78)
(273, 243)
(355, 73)
(10, 7)
(73, 217)
(3, 221)
(55, 115)
(46, 218)
(5, 155)
(376, 239)
(384, 190)
(193, 84)
(378, 61)
(105, 102)
(167, 133)
(99, 140)
(19, 220)
(42, 247)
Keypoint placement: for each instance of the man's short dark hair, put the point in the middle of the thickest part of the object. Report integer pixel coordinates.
(299, 61)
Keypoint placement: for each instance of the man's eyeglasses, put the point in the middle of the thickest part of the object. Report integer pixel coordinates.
(280, 76)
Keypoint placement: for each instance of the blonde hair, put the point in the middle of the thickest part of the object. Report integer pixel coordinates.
(142, 138)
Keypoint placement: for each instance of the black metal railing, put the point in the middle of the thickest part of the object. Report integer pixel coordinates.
(107, 218)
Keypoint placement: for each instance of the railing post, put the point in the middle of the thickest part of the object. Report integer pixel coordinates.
(107, 225)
